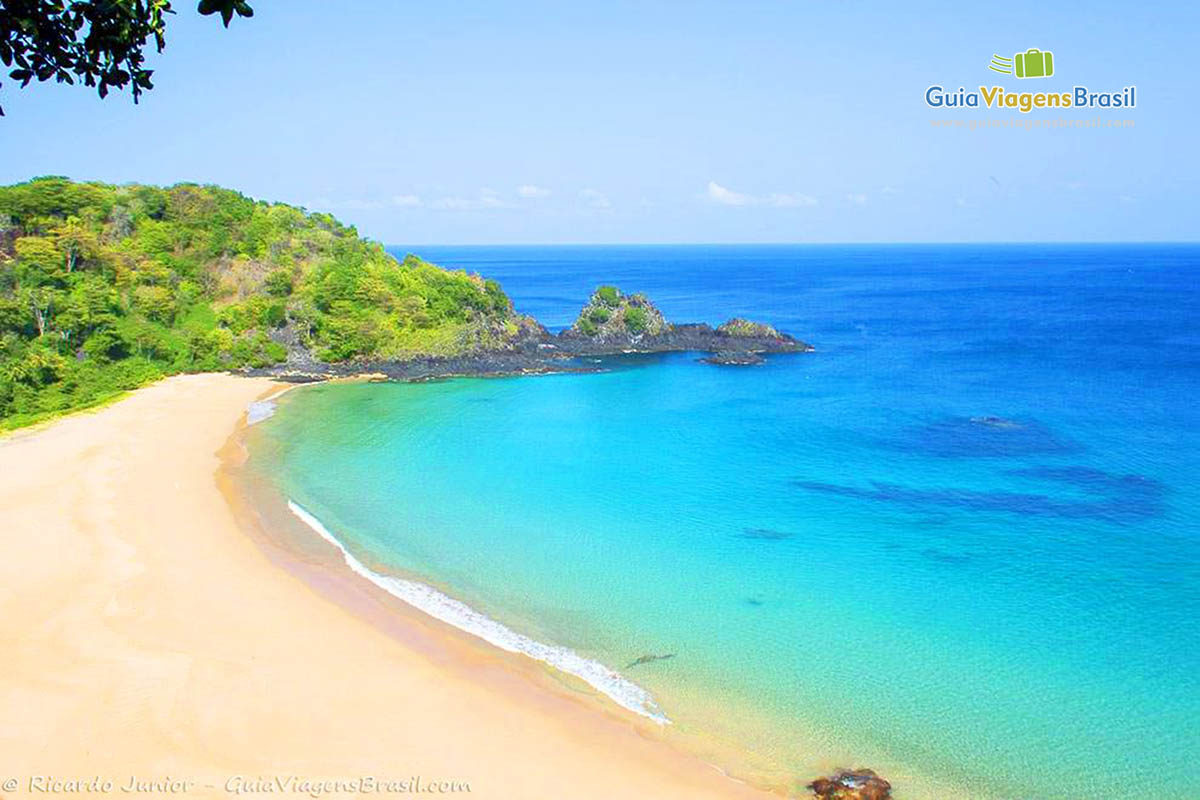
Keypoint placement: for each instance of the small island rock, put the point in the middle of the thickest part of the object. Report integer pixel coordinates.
(611, 314)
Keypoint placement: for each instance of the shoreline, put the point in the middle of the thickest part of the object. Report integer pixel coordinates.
(154, 619)
(538, 353)
(281, 526)
(457, 614)
(318, 559)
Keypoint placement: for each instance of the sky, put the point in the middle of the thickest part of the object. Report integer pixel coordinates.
(624, 122)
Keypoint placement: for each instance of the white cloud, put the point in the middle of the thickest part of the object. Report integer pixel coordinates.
(888, 191)
(857, 199)
(530, 191)
(719, 194)
(727, 197)
(594, 198)
(406, 200)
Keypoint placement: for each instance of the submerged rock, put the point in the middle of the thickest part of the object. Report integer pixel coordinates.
(768, 534)
(646, 659)
(731, 358)
(856, 784)
(996, 422)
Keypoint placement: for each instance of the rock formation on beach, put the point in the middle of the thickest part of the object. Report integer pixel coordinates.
(856, 784)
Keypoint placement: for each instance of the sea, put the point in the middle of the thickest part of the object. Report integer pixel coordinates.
(957, 543)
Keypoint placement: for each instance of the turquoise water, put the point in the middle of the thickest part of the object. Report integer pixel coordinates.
(957, 543)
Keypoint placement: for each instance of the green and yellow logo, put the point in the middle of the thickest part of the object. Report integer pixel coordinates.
(1033, 63)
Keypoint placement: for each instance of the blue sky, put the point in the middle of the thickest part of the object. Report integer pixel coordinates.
(524, 122)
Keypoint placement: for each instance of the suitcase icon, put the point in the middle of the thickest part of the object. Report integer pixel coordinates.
(1034, 63)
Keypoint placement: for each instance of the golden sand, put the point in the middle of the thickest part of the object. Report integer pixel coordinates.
(151, 631)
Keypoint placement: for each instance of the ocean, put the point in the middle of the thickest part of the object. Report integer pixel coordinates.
(959, 543)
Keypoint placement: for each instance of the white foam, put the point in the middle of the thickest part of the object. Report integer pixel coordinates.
(259, 410)
(453, 612)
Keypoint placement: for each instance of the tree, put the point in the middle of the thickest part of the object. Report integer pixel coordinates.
(99, 42)
(38, 263)
(76, 242)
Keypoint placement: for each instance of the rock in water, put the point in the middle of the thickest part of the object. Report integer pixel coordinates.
(856, 784)
(739, 326)
(646, 659)
(610, 314)
(729, 358)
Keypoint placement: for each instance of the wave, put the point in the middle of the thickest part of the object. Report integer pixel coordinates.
(454, 612)
(259, 410)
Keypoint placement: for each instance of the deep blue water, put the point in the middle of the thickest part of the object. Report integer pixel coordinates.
(959, 542)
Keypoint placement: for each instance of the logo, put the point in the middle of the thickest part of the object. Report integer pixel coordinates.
(1033, 63)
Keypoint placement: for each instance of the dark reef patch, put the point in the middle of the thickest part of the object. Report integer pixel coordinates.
(941, 556)
(1095, 481)
(765, 534)
(1120, 499)
(983, 437)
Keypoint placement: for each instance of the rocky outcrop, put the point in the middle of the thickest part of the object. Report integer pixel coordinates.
(747, 329)
(614, 322)
(611, 315)
(857, 784)
(610, 324)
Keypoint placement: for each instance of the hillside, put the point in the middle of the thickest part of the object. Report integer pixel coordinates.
(103, 288)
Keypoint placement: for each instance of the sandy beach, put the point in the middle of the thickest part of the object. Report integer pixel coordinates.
(149, 635)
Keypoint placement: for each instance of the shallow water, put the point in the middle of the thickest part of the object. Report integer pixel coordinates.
(958, 542)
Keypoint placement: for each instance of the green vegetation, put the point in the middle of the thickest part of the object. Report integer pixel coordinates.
(103, 288)
(635, 319)
(609, 296)
(744, 327)
(611, 313)
(99, 43)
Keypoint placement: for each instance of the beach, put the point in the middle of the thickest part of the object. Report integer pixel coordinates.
(157, 640)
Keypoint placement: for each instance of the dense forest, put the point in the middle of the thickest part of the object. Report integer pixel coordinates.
(103, 288)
